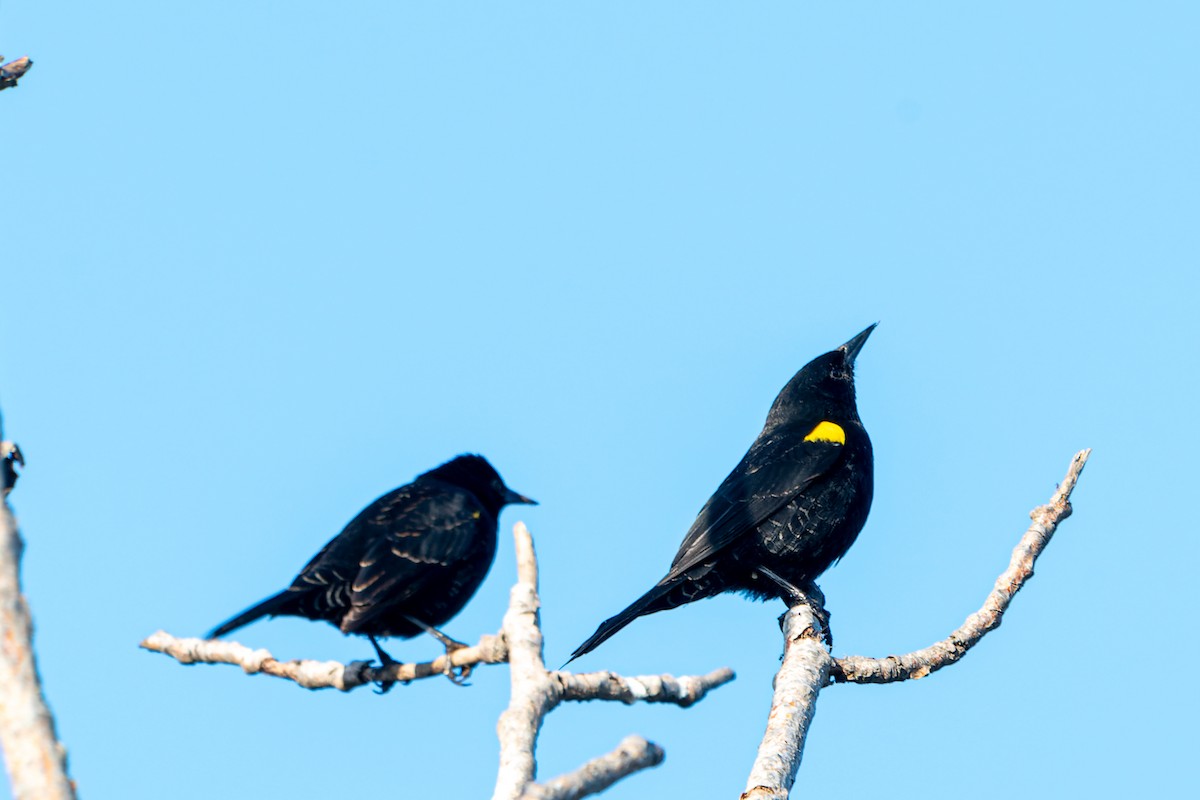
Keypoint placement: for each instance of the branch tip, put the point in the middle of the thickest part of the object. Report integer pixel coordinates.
(807, 667)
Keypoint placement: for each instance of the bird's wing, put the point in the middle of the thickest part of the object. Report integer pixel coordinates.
(322, 589)
(414, 544)
(774, 471)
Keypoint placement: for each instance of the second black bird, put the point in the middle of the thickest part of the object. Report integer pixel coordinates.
(407, 563)
(791, 508)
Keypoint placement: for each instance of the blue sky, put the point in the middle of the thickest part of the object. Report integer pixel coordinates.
(265, 261)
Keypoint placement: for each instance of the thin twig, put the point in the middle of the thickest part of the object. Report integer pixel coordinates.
(632, 755)
(918, 664)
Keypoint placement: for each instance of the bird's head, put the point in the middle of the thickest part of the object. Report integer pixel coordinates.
(822, 389)
(476, 475)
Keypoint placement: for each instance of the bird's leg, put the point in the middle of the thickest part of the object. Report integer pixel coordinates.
(457, 675)
(811, 595)
(386, 661)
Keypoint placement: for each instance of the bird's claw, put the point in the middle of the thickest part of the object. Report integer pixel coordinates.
(457, 675)
(821, 613)
(810, 595)
(385, 661)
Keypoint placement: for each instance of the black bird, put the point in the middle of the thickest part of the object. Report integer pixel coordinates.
(407, 563)
(791, 508)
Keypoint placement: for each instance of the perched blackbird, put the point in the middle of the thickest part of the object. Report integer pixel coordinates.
(407, 563)
(791, 508)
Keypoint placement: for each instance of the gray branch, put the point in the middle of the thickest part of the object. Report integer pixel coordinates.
(321, 674)
(536, 692)
(918, 664)
(632, 754)
(808, 667)
(682, 692)
(533, 693)
(12, 72)
(36, 761)
(805, 669)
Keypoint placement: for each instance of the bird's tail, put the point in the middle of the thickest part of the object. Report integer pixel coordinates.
(660, 598)
(270, 607)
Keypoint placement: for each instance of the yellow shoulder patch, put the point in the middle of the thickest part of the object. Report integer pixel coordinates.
(475, 515)
(827, 432)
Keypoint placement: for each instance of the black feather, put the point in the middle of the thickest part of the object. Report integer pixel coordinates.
(419, 551)
(790, 509)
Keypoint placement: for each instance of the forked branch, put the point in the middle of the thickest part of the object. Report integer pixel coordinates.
(918, 664)
(808, 667)
(536, 691)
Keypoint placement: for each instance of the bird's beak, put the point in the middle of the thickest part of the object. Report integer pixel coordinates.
(854, 345)
(512, 497)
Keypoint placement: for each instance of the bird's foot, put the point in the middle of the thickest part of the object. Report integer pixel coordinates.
(457, 675)
(816, 601)
(810, 595)
(385, 661)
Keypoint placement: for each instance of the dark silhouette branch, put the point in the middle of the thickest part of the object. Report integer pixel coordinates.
(808, 667)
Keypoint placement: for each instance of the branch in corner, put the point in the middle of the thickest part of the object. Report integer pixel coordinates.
(808, 667)
(13, 71)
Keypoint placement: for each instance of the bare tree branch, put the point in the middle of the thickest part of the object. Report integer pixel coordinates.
(321, 674)
(682, 692)
(36, 761)
(805, 669)
(536, 692)
(11, 72)
(918, 664)
(533, 694)
(633, 754)
(807, 666)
